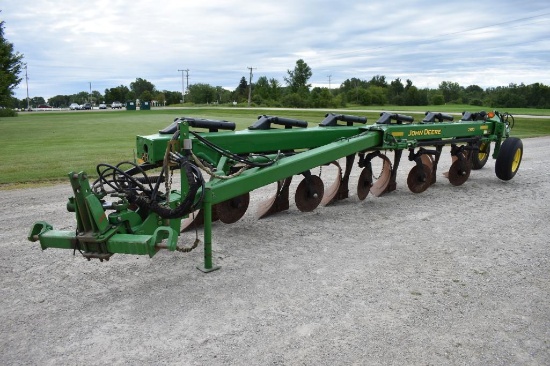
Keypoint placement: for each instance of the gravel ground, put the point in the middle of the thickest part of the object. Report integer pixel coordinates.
(451, 276)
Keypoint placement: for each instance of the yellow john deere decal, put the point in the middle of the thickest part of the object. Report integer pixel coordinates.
(397, 134)
(424, 132)
(483, 127)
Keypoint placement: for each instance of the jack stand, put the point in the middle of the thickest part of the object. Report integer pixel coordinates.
(208, 266)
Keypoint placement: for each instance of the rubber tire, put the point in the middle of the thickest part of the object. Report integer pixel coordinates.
(509, 158)
(484, 152)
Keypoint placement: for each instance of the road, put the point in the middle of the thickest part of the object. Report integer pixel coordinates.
(451, 276)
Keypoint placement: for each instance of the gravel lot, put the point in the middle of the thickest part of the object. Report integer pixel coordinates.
(451, 276)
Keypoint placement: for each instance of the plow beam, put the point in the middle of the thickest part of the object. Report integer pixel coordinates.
(255, 178)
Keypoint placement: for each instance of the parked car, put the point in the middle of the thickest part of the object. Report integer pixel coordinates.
(103, 106)
(86, 106)
(116, 105)
(74, 106)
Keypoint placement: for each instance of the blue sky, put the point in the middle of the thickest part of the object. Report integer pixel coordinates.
(68, 45)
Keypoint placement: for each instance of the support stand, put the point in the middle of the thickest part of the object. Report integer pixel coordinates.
(207, 205)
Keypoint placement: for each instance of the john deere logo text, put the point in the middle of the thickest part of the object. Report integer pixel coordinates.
(424, 132)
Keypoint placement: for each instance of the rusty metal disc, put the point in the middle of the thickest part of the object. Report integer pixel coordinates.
(331, 192)
(309, 193)
(196, 219)
(459, 172)
(364, 184)
(419, 179)
(380, 186)
(233, 209)
(427, 160)
(277, 203)
(453, 159)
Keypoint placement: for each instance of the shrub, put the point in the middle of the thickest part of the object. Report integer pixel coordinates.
(7, 112)
(438, 99)
(476, 102)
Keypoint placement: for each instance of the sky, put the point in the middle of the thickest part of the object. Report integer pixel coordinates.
(71, 45)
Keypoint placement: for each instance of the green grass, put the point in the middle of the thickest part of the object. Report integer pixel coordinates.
(42, 147)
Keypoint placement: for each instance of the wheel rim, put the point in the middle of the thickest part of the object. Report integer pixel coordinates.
(517, 160)
(482, 152)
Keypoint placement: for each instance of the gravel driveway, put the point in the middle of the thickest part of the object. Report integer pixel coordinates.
(451, 276)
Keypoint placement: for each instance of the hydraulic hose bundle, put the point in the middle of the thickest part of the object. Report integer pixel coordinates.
(187, 205)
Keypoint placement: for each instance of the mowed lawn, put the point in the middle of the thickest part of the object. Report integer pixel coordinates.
(41, 147)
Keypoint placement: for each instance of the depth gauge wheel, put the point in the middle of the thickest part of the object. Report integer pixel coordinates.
(509, 158)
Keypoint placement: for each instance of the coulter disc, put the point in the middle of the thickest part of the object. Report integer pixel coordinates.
(277, 203)
(233, 209)
(419, 178)
(459, 172)
(195, 219)
(380, 186)
(364, 184)
(309, 194)
(453, 160)
(427, 160)
(332, 190)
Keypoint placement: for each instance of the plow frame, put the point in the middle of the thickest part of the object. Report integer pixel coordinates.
(292, 150)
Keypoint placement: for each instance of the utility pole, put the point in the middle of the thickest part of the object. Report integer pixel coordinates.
(27, 82)
(329, 76)
(187, 78)
(182, 85)
(250, 86)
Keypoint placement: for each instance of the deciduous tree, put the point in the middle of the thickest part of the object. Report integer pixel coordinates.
(141, 85)
(10, 67)
(297, 79)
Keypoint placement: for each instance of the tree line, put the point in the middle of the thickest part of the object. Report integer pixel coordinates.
(298, 93)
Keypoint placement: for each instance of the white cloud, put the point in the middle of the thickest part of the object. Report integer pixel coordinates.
(110, 43)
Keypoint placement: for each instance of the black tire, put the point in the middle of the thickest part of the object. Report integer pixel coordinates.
(480, 159)
(509, 158)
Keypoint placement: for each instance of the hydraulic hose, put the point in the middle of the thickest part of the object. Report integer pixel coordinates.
(188, 204)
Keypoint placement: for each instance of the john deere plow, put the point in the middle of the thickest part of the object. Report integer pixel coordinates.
(134, 208)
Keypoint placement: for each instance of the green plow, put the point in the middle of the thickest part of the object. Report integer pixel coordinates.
(134, 208)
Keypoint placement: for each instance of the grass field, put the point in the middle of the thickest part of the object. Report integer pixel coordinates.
(42, 147)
